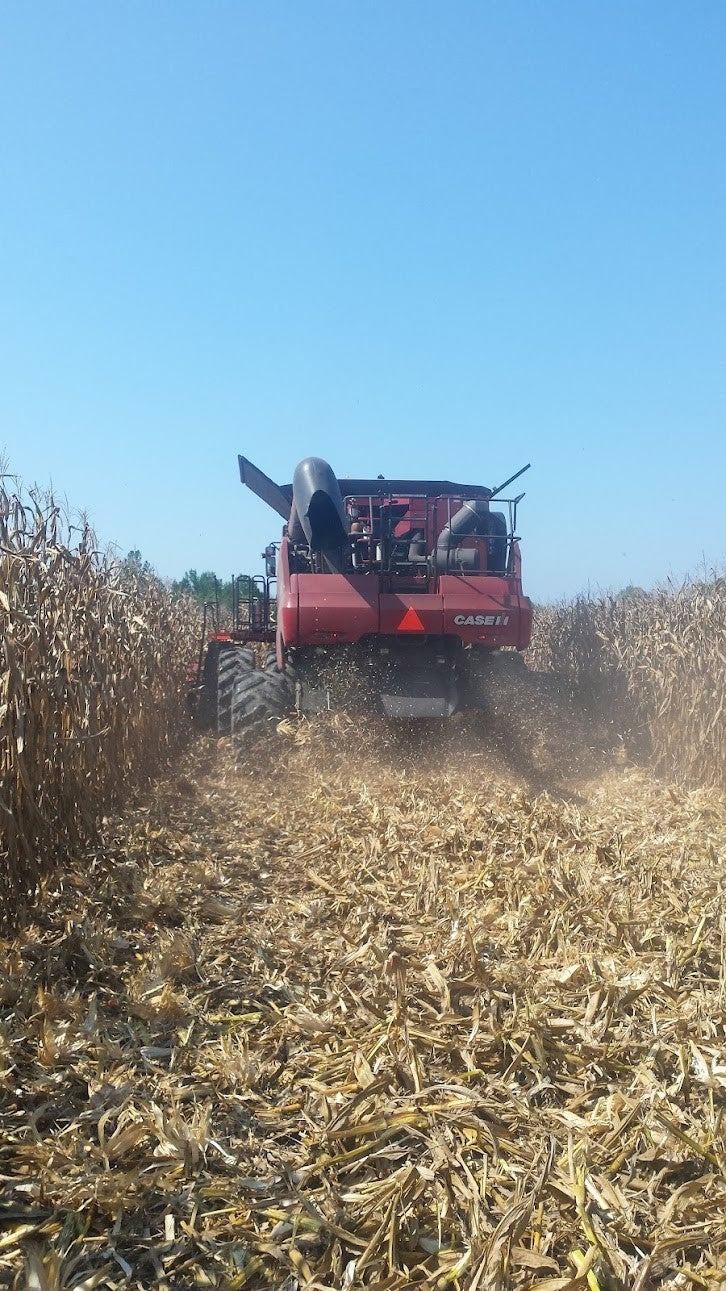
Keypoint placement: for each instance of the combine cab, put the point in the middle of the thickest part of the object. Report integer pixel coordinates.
(390, 596)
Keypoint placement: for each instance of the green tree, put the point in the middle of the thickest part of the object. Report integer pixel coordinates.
(135, 563)
(204, 587)
(135, 571)
(208, 588)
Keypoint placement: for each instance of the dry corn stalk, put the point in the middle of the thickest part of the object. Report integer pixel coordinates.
(656, 663)
(91, 676)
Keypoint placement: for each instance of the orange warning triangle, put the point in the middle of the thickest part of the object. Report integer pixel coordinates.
(411, 622)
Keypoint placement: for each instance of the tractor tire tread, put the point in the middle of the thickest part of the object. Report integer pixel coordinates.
(234, 665)
(258, 699)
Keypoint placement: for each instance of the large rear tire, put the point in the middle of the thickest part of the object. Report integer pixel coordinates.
(234, 664)
(259, 697)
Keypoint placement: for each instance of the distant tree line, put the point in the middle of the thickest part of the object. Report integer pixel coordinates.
(207, 587)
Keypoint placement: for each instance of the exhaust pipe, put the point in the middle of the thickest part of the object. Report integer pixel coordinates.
(473, 518)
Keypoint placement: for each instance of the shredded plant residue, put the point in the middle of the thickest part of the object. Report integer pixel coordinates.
(348, 1006)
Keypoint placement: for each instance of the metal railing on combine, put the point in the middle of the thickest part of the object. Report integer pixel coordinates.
(254, 603)
(426, 546)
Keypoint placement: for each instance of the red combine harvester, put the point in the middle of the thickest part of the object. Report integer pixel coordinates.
(389, 596)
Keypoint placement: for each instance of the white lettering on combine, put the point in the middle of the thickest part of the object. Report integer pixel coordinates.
(481, 620)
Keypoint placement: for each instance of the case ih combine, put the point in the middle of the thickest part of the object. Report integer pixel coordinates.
(390, 596)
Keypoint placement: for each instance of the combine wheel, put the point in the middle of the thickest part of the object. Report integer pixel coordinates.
(234, 664)
(259, 697)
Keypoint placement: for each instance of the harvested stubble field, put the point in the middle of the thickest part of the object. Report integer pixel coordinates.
(350, 1008)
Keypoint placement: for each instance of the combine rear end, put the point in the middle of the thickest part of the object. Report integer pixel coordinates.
(390, 596)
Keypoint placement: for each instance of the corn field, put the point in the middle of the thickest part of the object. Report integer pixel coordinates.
(92, 663)
(340, 1006)
(654, 664)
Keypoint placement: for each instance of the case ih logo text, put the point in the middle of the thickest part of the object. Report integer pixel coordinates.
(481, 620)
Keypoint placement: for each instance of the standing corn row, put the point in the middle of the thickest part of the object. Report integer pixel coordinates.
(91, 675)
(654, 661)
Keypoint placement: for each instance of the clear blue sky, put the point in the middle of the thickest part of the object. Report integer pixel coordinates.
(414, 238)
